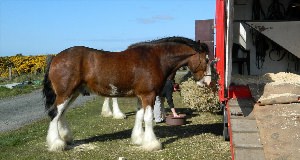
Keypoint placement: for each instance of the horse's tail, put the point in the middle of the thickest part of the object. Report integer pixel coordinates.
(48, 91)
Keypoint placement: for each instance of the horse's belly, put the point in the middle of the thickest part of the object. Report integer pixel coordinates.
(112, 91)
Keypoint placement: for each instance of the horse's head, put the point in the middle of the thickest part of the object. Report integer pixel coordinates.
(200, 66)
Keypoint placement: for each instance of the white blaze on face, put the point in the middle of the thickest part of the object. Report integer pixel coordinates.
(206, 80)
(207, 77)
(114, 90)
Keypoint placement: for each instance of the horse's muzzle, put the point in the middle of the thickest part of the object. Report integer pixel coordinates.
(205, 81)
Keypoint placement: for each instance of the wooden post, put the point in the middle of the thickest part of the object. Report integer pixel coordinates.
(9, 73)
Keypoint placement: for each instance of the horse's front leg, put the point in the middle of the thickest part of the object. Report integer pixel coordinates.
(150, 142)
(117, 114)
(138, 131)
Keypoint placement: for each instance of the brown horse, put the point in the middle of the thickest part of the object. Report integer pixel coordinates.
(140, 70)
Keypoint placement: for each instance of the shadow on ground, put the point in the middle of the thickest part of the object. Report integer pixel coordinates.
(172, 133)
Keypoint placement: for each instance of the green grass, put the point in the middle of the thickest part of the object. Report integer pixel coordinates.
(96, 137)
(6, 92)
(24, 77)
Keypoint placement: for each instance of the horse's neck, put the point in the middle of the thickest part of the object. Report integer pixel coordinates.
(175, 62)
(172, 76)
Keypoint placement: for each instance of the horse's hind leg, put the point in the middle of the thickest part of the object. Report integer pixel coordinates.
(63, 128)
(106, 111)
(117, 114)
(54, 140)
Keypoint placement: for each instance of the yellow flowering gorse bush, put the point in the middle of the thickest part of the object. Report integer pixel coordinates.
(22, 65)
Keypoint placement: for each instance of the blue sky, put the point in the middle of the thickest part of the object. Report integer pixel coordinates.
(33, 27)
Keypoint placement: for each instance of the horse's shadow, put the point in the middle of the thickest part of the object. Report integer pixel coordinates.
(173, 132)
(129, 114)
(179, 132)
(102, 138)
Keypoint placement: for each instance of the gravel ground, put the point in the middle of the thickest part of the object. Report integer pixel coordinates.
(24, 109)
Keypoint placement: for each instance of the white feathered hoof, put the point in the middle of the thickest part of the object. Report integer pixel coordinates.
(152, 146)
(106, 114)
(68, 139)
(119, 116)
(137, 139)
(66, 136)
(57, 145)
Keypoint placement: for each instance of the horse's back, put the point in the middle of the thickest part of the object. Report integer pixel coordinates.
(75, 52)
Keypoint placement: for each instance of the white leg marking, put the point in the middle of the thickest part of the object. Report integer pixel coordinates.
(117, 114)
(150, 142)
(138, 132)
(55, 143)
(64, 130)
(106, 112)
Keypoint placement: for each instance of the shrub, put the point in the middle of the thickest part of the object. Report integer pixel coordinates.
(22, 65)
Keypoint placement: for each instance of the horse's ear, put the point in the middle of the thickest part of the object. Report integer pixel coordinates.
(198, 42)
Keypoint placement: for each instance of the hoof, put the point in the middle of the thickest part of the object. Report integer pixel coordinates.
(67, 137)
(137, 139)
(57, 145)
(152, 146)
(106, 114)
(69, 141)
(119, 116)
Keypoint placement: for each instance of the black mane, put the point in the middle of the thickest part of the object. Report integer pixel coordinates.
(202, 47)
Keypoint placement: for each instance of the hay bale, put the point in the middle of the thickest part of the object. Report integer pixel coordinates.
(278, 99)
(202, 99)
(273, 78)
(272, 88)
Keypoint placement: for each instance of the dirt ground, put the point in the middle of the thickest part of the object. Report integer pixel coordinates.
(279, 127)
